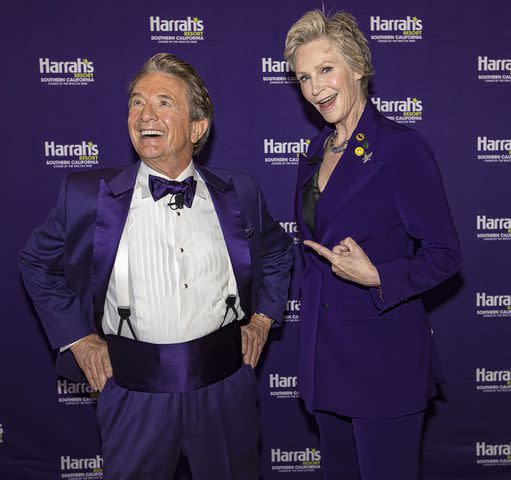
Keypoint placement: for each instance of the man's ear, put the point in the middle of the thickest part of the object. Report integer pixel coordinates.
(198, 129)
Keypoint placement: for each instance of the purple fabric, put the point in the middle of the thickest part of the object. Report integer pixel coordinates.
(216, 428)
(112, 203)
(161, 187)
(361, 355)
(234, 227)
(67, 262)
(177, 367)
(380, 449)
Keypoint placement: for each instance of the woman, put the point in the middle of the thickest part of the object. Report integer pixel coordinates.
(378, 233)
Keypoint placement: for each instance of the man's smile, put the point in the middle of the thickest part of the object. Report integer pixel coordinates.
(152, 133)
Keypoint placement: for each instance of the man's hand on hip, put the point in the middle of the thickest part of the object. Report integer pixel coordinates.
(91, 353)
(253, 338)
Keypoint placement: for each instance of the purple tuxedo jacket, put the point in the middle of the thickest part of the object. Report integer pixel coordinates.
(67, 262)
(363, 354)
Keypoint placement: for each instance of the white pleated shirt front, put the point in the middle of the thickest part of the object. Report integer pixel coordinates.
(180, 273)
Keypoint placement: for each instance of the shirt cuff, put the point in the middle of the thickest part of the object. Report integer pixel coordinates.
(66, 347)
(266, 316)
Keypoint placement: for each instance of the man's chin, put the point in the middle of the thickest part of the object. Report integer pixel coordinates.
(149, 155)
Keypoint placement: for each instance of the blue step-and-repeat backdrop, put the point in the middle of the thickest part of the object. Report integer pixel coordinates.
(442, 67)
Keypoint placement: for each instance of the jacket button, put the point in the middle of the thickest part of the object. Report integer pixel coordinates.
(325, 306)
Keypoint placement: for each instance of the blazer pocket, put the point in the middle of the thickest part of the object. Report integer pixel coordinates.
(361, 310)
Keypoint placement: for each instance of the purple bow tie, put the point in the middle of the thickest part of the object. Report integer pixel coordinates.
(160, 187)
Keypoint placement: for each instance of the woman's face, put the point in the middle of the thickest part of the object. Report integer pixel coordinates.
(326, 79)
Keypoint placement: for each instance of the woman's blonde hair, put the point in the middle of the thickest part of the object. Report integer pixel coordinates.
(342, 30)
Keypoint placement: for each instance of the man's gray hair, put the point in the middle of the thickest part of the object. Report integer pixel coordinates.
(199, 101)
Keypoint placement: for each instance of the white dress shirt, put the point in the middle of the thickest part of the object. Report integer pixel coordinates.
(180, 273)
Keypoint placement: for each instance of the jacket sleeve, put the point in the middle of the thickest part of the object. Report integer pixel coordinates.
(424, 211)
(42, 266)
(277, 259)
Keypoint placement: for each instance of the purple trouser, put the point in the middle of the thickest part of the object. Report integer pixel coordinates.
(145, 432)
(370, 448)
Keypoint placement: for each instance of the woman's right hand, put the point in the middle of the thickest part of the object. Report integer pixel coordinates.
(349, 262)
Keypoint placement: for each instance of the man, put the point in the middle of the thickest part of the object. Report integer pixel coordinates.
(163, 258)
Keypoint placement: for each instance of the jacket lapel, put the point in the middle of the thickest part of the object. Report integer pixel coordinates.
(114, 200)
(359, 164)
(309, 164)
(234, 228)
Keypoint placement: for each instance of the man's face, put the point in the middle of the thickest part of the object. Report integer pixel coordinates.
(159, 122)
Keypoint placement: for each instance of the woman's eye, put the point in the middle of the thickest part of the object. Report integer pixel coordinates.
(303, 78)
(326, 69)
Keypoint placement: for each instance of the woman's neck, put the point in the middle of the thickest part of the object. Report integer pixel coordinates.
(347, 125)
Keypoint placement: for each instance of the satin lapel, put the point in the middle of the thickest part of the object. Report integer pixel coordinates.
(234, 228)
(352, 173)
(114, 200)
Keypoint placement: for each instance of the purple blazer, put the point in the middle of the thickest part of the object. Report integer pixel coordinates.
(67, 262)
(362, 354)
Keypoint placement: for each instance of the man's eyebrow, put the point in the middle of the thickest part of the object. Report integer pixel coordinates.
(164, 95)
(160, 95)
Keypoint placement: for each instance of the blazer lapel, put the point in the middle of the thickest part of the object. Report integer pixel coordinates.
(234, 228)
(309, 164)
(359, 164)
(114, 200)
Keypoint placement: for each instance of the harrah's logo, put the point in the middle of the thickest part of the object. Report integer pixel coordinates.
(65, 388)
(289, 227)
(307, 455)
(485, 300)
(379, 24)
(271, 146)
(274, 66)
(485, 64)
(485, 144)
(484, 449)
(279, 381)
(157, 24)
(293, 305)
(52, 149)
(483, 375)
(76, 66)
(395, 106)
(69, 463)
(488, 223)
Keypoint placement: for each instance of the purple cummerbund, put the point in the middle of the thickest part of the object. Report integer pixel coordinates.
(176, 367)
